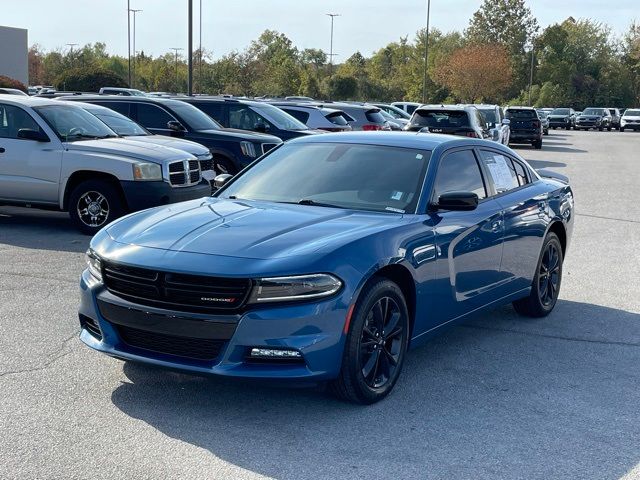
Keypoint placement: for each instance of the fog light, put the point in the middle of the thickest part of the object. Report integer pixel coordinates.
(275, 353)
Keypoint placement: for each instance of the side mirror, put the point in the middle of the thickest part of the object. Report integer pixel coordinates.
(261, 127)
(220, 180)
(176, 126)
(457, 201)
(424, 130)
(506, 121)
(30, 134)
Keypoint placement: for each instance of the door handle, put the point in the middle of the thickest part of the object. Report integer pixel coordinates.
(495, 226)
(2, 150)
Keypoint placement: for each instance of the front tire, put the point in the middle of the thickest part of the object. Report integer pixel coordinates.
(537, 144)
(622, 129)
(375, 346)
(94, 204)
(546, 283)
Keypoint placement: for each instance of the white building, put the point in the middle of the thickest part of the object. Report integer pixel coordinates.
(14, 54)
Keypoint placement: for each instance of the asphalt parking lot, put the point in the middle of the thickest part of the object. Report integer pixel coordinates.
(498, 397)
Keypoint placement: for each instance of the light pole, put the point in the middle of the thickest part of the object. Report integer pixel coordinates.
(332, 15)
(190, 48)
(531, 70)
(426, 56)
(176, 50)
(132, 79)
(129, 38)
(200, 50)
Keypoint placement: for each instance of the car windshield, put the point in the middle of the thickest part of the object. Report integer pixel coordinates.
(632, 113)
(593, 111)
(194, 118)
(280, 119)
(560, 111)
(521, 114)
(351, 176)
(489, 115)
(440, 118)
(120, 124)
(72, 123)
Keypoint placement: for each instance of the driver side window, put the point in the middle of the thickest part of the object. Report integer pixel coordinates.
(459, 172)
(242, 117)
(12, 119)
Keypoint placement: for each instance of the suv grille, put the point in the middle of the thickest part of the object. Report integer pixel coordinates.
(183, 292)
(268, 146)
(196, 348)
(184, 173)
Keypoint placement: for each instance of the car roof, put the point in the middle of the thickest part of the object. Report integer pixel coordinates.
(447, 107)
(27, 101)
(518, 107)
(424, 141)
(122, 98)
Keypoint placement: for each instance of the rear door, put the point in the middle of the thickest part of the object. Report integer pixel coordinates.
(29, 170)
(153, 117)
(469, 244)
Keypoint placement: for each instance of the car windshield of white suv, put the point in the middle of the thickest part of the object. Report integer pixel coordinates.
(632, 113)
(72, 123)
(280, 119)
(489, 115)
(123, 126)
(351, 176)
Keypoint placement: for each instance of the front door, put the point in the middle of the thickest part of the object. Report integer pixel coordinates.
(29, 170)
(469, 243)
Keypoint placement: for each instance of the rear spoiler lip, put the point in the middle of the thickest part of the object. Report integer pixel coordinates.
(543, 172)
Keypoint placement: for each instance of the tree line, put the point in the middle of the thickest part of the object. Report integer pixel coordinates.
(577, 62)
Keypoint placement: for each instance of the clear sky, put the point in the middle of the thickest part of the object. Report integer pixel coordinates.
(364, 25)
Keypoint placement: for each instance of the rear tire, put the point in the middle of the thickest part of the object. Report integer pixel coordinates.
(94, 204)
(622, 129)
(375, 346)
(608, 129)
(546, 282)
(537, 144)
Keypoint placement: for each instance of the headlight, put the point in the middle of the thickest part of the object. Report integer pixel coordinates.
(623, 122)
(94, 265)
(248, 149)
(299, 287)
(147, 171)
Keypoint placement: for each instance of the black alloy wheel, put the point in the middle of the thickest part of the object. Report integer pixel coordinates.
(375, 345)
(545, 288)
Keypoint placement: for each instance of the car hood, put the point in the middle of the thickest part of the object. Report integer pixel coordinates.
(123, 147)
(248, 229)
(233, 134)
(185, 145)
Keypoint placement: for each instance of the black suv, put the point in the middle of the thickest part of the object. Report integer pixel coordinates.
(232, 150)
(466, 121)
(562, 118)
(615, 118)
(593, 117)
(249, 115)
(526, 126)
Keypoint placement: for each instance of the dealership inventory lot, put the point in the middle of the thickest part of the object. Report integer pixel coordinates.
(499, 396)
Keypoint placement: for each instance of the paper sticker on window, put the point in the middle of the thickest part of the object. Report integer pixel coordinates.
(419, 156)
(500, 172)
(396, 195)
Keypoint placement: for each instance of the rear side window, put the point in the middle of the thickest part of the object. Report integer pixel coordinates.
(337, 118)
(214, 110)
(152, 116)
(459, 172)
(440, 118)
(505, 172)
(374, 116)
(411, 108)
(521, 114)
(120, 107)
(297, 114)
(13, 119)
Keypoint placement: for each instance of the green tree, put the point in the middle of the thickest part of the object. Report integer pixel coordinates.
(88, 79)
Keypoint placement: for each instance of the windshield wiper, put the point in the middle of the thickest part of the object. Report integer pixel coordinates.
(308, 201)
(84, 136)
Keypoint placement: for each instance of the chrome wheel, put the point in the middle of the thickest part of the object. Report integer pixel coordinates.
(381, 342)
(549, 275)
(93, 209)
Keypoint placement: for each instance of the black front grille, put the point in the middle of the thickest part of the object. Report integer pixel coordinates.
(206, 165)
(183, 292)
(194, 176)
(184, 173)
(196, 348)
(176, 167)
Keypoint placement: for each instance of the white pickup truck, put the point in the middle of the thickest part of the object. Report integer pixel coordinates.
(55, 155)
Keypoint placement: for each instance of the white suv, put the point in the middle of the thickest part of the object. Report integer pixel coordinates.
(55, 155)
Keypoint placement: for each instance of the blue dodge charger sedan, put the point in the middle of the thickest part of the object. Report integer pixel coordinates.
(327, 258)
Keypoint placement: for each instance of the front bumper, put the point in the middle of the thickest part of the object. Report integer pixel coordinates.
(559, 123)
(141, 195)
(314, 329)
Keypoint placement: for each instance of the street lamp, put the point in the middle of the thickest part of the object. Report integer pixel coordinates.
(532, 46)
(176, 50)
(133, 77)
(200, 50)
(332, 15)
(426, 56)
(129, 38)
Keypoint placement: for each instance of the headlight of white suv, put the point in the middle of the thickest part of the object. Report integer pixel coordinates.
(623, 122)
(298, 287)
(147, 171)
(94, 265)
